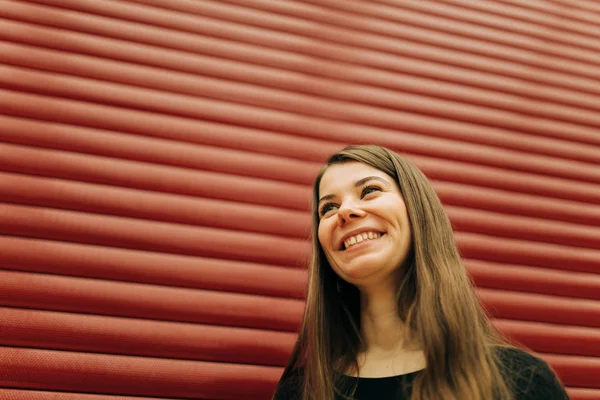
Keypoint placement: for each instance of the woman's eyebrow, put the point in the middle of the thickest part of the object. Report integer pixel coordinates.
(358, 183)
(329, 196)
(364, 180)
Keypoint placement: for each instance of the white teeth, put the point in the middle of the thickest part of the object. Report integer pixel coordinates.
(361, 237)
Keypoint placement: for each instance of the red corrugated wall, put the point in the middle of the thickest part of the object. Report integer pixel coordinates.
(156, 160)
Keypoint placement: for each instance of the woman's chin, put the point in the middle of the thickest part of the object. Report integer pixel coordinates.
(361, 272)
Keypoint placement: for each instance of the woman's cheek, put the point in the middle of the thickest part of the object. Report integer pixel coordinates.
(324, 234)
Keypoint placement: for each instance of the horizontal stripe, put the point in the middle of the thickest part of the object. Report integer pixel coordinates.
(139, 376)
(94, 296)
(549, 338)
(126, 265)
(137, 337)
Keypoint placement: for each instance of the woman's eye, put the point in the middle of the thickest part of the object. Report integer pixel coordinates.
(369, 189)
(326, 208)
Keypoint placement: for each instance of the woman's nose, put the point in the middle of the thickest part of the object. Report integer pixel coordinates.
(348, 212)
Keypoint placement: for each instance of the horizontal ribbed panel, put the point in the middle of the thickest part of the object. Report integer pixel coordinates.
(525, 278)
(127, 299)
(131, 233)
(16, 394)
(148, 267)
(548, 338)
(104, 199)
(100, 334)
(183, 42)
(514, 251)
(98, 142)
(126, 375)
(583, 394)
(58, 293)
(243, 277)
(45, 83)
(522, 204)
(380, 123)
(517, 12)
(494, 16)
(148, 205)
(104, 373)
(421, 124)
(56, 330)
(85, 167)
(156, 160)
(151, 177)
(151, 77)
(541, 308)
(576, 370)
(244, 33)
(412, 22)
(144, 235)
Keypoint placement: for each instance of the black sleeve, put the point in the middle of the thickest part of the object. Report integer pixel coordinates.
(289, 388)
(545, 385)
(534, 379)
(530, 376)
(286, 393)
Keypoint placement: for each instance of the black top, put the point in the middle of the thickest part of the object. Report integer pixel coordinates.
(534, 380)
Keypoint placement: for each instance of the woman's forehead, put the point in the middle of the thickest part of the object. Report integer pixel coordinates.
(340, 176)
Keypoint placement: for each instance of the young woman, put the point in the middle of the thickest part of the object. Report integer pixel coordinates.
(390, 311)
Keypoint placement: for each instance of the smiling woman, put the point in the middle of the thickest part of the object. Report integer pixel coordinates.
(363, 201)
(390, 311)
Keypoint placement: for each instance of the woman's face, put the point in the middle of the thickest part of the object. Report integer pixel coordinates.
(364, 227)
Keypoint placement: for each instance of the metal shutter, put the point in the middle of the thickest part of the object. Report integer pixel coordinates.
(156, 160)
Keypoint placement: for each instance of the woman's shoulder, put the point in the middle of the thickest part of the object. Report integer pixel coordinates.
(516, 358)
(531, 376)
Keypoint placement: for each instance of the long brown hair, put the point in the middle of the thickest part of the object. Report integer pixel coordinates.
(436, 301)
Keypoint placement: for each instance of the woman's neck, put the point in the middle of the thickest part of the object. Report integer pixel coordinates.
(389, 349)
(382, 328)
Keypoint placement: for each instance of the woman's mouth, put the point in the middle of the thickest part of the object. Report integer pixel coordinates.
(359, 238)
